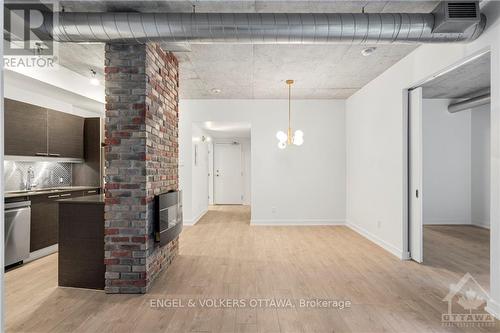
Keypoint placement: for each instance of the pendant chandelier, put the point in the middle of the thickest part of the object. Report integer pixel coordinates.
(287, 139)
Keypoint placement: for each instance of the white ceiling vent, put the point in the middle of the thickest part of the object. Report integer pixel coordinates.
(455, 16)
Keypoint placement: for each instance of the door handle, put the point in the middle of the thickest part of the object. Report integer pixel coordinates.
(55, 155)
(66, 195)
(53, 196)
(42, 154)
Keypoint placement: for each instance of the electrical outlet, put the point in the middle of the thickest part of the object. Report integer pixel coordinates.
(379, 224)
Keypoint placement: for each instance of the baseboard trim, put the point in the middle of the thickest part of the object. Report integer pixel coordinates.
(296, 222)
(377, 240)
(441, 221)
(481, 224)
(42, 253)
(194, 221)
(493, 308)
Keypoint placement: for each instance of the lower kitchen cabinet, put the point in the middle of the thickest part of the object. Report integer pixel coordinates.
(45, 217)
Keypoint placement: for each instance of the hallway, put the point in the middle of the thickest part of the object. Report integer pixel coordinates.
(223, 257)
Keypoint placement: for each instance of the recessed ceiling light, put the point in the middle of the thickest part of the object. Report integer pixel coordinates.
(368, 51)
(216, 90)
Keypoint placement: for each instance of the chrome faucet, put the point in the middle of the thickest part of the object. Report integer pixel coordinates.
(30, 176)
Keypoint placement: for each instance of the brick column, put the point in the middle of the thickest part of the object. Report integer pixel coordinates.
(141, 161)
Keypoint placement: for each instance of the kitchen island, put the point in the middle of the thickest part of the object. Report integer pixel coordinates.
(81, 242)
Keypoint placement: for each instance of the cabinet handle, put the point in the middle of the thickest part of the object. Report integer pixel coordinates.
(93, 191)
(53, 196)
(42, 154)
(55, 155)
(66, 195)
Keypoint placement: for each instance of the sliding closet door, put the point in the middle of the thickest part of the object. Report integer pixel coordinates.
(415, 174)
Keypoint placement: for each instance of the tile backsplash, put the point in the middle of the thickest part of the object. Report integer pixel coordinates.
(47, 174)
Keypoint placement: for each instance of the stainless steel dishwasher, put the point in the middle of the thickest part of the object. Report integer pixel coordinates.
(17, 231)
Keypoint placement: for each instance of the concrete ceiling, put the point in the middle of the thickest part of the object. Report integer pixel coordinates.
(259, 71)
(81, 58)
(462, 81)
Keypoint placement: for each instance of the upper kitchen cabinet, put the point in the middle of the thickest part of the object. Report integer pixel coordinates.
(25, 129)
(35, 131)
(65, 135)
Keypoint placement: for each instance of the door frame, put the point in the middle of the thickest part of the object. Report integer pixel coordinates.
(494, 197)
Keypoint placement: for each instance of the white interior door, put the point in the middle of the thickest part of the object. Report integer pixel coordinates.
(210, 173)
(228, 185)
(415, 175)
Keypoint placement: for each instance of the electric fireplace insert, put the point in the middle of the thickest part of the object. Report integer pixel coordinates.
(168, 216)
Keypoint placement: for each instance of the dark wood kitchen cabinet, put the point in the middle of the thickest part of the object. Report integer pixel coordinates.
(25, 129)
(44, 217)
(32, 130)
(81, 242)
(65, 135)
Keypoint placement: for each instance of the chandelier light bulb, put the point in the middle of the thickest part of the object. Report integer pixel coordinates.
(281, 145)
(298, 140)
(281, 136)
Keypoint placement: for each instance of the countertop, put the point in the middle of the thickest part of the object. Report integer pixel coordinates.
(15, 194)
(88, 199)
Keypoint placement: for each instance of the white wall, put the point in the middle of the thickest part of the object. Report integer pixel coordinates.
(199, 184)
(62, 78)
(195, 188)
(30, 90)
(446, 191)
(480, 166)
(456, 164)
(299, 185)
(376, 147)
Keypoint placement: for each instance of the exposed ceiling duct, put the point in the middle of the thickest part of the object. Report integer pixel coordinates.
(469, 103)
(259, 28)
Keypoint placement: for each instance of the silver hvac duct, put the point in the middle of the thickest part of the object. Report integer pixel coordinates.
(255, 28)
(469, 103)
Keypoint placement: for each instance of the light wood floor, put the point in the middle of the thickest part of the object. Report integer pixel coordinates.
(459, 249)
(224, 257)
